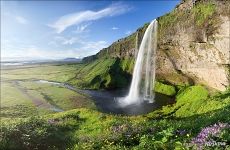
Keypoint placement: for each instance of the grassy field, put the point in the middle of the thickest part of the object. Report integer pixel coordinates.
(89, 129)
(60, 73)
(29, 122)
(22, 96)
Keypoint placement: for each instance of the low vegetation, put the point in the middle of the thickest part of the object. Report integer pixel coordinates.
(22, 95)
(176, 126)
(38, 115)
(202, 12)
(106, 73)
(89, 129)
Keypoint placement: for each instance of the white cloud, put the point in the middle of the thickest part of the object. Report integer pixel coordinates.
(69, 41)
(61, 40)
(80, 17)
(34, 52)
(94, 45)
(128, 32)
(21, 20)
(82, 28)
(115, 28)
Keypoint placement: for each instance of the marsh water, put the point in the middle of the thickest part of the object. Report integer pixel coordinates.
(106, 100)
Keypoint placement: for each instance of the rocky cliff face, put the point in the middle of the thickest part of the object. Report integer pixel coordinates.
(193, 44)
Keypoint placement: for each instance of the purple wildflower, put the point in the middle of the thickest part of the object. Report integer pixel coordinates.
(204, 136)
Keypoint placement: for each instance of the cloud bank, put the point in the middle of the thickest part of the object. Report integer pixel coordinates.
(80, 17)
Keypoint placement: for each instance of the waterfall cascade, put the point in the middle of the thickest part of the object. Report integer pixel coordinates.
(145, 64)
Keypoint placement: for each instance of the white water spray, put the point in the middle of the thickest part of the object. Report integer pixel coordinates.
(146, 56)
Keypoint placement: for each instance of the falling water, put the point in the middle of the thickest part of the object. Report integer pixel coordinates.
(145, 63)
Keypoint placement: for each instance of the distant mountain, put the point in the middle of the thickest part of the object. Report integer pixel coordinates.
(72, 59)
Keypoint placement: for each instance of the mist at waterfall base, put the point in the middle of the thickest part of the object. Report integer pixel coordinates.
(108, 102)
(140, 98)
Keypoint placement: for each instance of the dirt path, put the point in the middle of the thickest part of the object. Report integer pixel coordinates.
(40, 103)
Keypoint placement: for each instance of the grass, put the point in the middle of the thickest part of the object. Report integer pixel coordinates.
(91, 74)
(103, 73)
(60, 73)
(192, 93)
(202, 12)
(14, 103)
(59, 96)
(195, 100)
(11, 96)
(201, 15)
(22, 97)
(172, 127)
(89, 129)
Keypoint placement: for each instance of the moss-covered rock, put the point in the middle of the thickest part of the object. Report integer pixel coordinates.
(192, 93)
(202, 12)
(165, 89)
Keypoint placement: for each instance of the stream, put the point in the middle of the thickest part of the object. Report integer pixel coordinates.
(106, 100)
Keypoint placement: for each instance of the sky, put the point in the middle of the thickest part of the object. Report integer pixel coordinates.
(61, 29)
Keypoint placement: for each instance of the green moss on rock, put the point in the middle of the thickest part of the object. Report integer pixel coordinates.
(165, 89)
(202, 11)
(194, 100)
(192, 93)
(127, 64)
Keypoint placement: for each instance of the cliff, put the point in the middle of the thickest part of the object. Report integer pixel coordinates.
(193, 45)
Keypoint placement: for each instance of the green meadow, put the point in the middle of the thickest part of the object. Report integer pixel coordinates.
(22, 95)
(28, 120)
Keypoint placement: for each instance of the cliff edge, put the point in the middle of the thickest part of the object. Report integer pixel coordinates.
(193, 45)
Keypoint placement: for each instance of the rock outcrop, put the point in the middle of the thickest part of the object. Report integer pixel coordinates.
(193, 44)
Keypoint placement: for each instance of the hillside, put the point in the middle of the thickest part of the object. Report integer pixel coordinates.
(193, 48)
(45, 107)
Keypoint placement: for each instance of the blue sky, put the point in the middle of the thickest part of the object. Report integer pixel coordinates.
(60, 29)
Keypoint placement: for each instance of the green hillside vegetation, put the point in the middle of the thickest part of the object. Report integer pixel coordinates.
(89, 129)
(27, 125)
(104, 73)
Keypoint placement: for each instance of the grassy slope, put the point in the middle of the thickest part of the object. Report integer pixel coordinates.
(103, 73)
(90, 129)
(85, 128)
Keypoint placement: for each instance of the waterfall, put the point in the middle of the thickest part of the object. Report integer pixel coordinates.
(145, 63)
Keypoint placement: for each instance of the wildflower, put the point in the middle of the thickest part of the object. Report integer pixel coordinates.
(203, 137)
